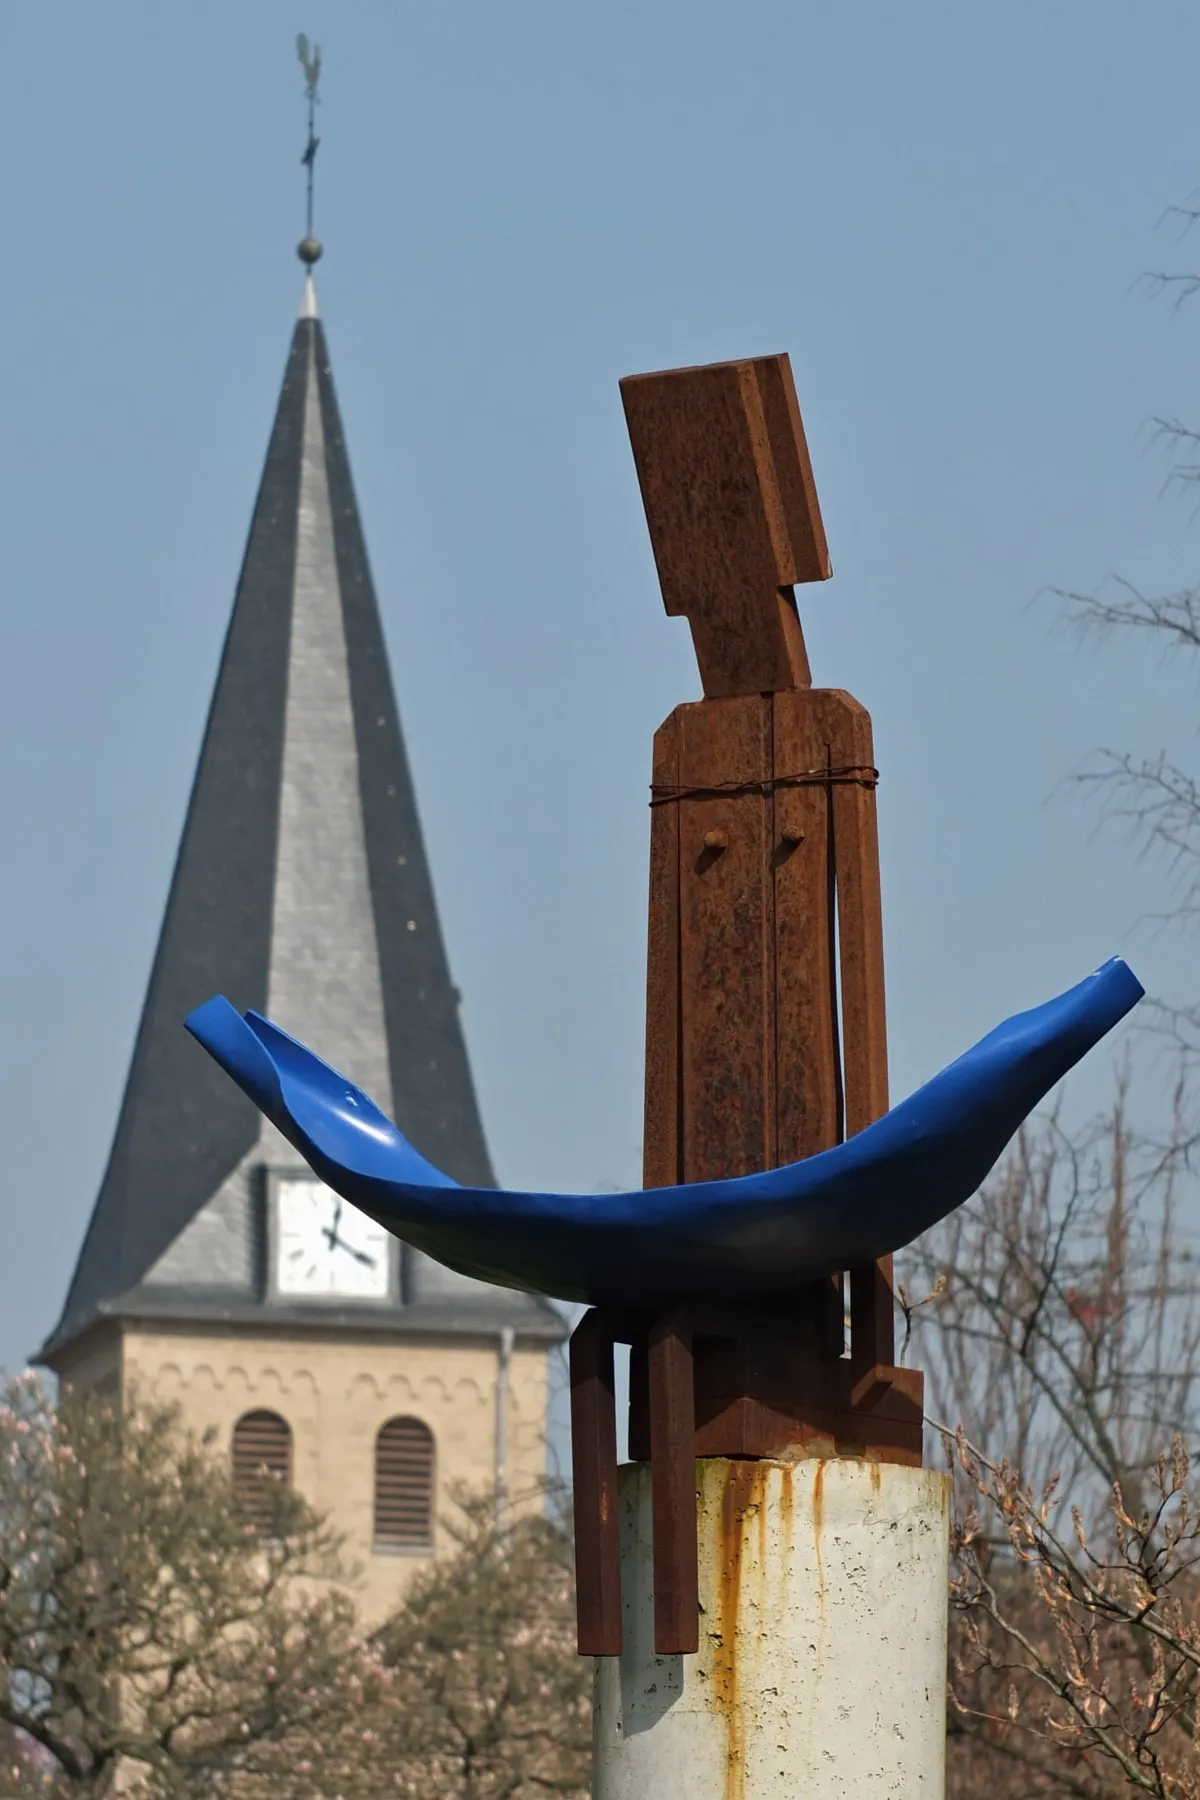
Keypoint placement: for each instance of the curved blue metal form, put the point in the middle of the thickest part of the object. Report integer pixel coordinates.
(736, 1240)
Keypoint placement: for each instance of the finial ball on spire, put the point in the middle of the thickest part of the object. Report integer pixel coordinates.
(310, 250)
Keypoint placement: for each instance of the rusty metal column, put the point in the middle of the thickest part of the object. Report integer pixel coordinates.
(790, 1639)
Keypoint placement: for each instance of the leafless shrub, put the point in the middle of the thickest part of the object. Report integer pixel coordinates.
(1061, 1340)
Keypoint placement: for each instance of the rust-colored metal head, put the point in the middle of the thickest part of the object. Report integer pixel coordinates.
(731, 504)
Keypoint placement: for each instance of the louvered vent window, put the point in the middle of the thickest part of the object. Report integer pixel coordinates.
(404, 1486)
(262, 1465)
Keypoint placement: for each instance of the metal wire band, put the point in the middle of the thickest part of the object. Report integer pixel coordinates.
(851, 775)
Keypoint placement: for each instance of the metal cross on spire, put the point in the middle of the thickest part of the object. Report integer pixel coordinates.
(309, 248)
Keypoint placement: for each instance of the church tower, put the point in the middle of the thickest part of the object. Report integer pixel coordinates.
(216, 1271)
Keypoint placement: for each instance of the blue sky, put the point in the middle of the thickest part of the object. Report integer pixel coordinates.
(941, 212)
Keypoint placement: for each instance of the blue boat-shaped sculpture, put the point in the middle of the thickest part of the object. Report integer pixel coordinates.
(734, 1240)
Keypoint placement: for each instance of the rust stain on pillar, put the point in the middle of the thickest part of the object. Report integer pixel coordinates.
(743, 1492)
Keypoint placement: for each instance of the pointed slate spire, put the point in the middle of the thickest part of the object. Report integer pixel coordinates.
(301, 888)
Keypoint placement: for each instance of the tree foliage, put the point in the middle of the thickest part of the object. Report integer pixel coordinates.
(157, 1635)
(144, 1622)
(495, 1700)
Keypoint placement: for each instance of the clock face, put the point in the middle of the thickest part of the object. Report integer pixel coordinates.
(326, 1247)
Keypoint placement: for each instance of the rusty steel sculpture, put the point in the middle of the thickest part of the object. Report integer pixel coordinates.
(777, 1182)
(766, 1040)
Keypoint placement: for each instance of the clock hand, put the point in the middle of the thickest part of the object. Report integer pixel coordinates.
(336, 1241)
(339, 1243)
(330, 1232)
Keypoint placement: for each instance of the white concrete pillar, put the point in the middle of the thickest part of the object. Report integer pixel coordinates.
(822, 1664)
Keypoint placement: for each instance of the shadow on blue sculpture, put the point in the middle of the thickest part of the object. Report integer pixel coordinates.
(734, 1240)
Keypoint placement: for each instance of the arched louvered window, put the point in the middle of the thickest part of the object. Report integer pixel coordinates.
(262, 1465)
(404, 1470)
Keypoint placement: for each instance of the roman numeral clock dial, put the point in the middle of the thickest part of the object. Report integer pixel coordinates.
(324, 1247)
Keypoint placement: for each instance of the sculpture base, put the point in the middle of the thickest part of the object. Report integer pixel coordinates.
(821, 1670)
(761, 1390)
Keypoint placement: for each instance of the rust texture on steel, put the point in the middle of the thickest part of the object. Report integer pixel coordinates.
(765, 1023)
(594, 1454)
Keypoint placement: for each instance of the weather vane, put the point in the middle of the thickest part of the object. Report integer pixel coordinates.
(309, 247)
